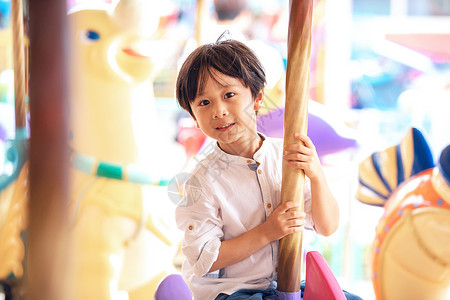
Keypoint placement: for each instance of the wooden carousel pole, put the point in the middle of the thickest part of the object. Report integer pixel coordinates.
(295, 121)
(201, 6)
(19, 63)
(46, 269)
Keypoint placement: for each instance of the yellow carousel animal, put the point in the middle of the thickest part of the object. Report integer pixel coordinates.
(123, 238)
(411, 250)
(14, 167)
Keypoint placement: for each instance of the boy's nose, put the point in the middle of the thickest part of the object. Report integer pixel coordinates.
(220, 111)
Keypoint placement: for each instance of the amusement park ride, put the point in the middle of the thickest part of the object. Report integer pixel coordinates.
(117, 236)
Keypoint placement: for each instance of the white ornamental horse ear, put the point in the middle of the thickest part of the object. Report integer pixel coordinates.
(141, 17)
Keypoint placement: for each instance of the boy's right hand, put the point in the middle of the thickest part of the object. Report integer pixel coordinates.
(283, 221)
(280, 223)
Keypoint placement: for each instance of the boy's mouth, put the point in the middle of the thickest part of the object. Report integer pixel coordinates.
(225, 127)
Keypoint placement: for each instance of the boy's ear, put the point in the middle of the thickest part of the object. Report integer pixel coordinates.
(259, 100)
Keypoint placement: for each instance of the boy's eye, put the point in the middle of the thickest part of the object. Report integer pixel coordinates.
(229, 95)
(204, 102)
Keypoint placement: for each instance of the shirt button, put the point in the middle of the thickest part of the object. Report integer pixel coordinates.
(259, 171)
(269, 205)
(190, 227)
(249, 161)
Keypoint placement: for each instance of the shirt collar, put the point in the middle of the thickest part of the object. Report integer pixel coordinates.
(239, 160)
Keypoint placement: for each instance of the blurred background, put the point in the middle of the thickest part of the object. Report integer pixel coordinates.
(378, 67)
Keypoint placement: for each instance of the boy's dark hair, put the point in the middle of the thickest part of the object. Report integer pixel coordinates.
(229, 57)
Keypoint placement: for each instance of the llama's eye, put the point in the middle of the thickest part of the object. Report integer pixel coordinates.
(90, 36)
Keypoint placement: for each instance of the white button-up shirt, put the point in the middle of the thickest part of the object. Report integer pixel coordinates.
(224, 197)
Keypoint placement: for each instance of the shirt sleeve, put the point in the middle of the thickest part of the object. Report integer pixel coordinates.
(198, 215)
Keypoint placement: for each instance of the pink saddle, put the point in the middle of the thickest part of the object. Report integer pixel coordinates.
(320, 281)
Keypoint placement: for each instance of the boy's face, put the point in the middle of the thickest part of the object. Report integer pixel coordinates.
(225, 111)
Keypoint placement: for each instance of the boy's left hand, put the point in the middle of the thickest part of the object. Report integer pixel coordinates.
(303, 155)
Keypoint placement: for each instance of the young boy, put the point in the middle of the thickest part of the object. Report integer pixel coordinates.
(230, 211)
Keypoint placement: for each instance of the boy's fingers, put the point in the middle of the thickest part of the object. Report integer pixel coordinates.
(290, 204)
(296, 148)
(287, 205)
(295, 223)
(296, 157)
(296, 214)
(305, 139)
(292, 147)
